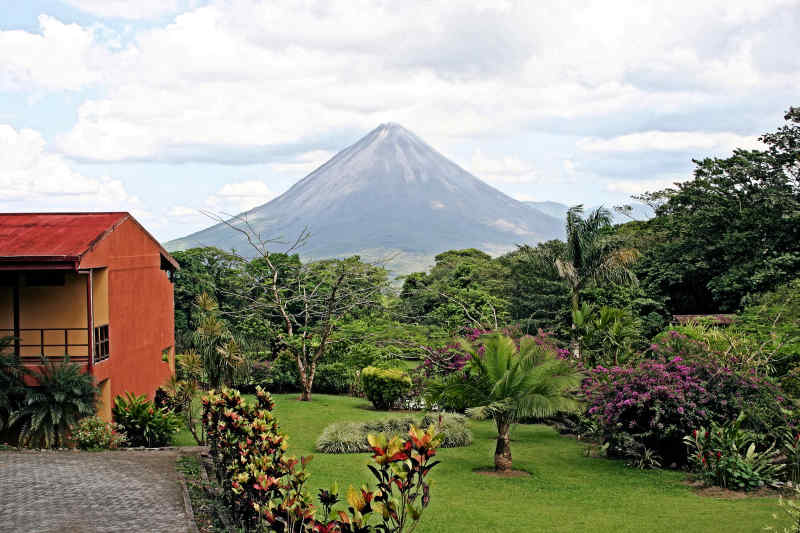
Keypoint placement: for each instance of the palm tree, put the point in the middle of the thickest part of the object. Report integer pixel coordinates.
(221, 351)
(506, 384)
(590, 258)
(12, 381)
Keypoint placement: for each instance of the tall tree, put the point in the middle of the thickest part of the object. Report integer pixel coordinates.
(733, 230)
(308, 300)
(591, 257)
(507, 384)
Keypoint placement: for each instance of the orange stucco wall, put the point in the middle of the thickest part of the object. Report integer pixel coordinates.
(139, 308)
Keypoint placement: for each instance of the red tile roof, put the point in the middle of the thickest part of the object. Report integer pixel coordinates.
(53, 236)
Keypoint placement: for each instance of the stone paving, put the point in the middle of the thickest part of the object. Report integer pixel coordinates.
(130, 491)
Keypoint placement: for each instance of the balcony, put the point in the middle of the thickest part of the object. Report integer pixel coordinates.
(38, 345)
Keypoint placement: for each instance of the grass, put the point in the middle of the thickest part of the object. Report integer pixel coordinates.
(565, 492)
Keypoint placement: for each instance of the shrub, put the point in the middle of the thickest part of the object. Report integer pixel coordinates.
(12, 386)
(655, 404)
(278, 375)
(265, 488)
(385, 387)
(94, 433)
(351, 437)
(143, 422)
(63, 396)
(790, 383)
(333, 378)
(727, 456)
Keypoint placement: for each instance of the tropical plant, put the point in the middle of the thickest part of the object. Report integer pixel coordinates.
(12, 384)
(591, 257)
(220, 350)
(610, 335)
(143, 422)
(385, 387)
(265, 488)
(507, 384)
(94, 433)
(63, 395)
(727, 456)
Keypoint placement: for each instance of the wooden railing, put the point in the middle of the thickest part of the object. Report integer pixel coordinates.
(36, 345)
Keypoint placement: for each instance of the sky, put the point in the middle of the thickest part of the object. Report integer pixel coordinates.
(169, 108)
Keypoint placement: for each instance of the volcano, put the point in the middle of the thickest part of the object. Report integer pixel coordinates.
(388, 195)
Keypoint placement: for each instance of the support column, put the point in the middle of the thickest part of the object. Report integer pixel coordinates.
(89, 322)
(16, 292)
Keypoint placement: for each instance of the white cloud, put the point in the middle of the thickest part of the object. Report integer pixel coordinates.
(502, 170)
(63, 56)
(640, 186)
(671, 141)
(32, 179)
(303, 164)
(234, 198)
(241, 81)
(128, 9)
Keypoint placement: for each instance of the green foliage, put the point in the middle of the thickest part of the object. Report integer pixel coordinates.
(731, 231)
(143, 422)
(385, 387)
(222, 353)
(12, 386)
(465, 288)
(265, 488)
(609, 336)
(727, 456)
(63, 395)
(94, 433)
(351, 437)
(790, 383)
(334, 378)
(772, 320)
(507, 384)
(728, 346)
(538, 296)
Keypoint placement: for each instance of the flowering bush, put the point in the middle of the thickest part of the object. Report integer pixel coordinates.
(93, 433)
(265, 488)
(144, 423)
(655, 404)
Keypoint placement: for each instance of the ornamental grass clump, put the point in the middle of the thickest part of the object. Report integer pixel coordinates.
(352, 437)
(265, 488)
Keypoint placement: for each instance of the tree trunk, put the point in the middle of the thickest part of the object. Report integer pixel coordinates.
(306, 395)
(575, 343)
(502, 453)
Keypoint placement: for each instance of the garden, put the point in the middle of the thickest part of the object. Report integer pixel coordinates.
(640, 376)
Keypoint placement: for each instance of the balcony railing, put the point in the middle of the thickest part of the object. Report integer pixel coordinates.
(37, 345)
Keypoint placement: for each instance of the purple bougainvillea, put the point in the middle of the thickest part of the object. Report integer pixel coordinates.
(657, 403)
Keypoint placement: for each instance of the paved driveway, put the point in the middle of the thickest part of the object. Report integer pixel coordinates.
(122, 491)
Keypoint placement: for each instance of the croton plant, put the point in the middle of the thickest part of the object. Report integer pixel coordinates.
(265, 488)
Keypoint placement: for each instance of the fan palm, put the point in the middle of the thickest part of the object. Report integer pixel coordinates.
(590, 257)
(506, 384)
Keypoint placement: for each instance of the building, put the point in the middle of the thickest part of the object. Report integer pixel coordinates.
(95, 287)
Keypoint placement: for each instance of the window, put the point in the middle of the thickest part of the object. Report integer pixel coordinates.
(101, 343)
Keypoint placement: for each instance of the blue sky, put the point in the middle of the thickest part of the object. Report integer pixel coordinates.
(168, 107)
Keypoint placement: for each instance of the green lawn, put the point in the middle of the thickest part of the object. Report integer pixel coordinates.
(565, 492)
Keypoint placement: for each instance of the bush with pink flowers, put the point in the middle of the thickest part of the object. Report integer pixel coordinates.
(653, 405)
